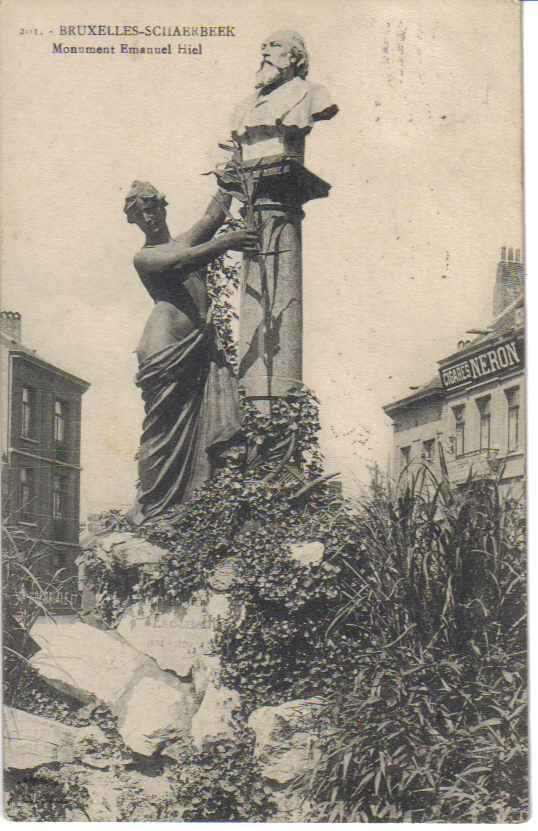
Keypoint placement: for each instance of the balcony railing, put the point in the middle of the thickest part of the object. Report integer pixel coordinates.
(483, 463)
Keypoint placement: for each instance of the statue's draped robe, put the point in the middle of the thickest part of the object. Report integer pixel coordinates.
(191, 405)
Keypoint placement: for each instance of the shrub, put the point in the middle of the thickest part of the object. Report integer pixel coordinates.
(434, 726)
(426, 737)
(26, 592)
(435, 565)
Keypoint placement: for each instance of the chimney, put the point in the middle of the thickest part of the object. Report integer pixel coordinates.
(11, 325)
(509, 280)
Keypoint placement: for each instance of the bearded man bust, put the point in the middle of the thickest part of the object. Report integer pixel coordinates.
(278, 116)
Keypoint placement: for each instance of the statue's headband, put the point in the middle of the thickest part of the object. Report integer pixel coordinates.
(142, 192)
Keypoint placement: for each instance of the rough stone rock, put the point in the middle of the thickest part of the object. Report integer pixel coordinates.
(214, 718)
(307, 553)
(127, 795)
(225, 575)
(282, 766)
(102, 804)
(152, 706)
(156, 709)
(132, 550)
(286, 738)
(31, 741)
(205, 671)
(175, 751)
(83, 661)
(175, 636)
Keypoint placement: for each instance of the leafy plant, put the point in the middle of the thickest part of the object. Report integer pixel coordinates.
(244, 491)
(439, 566)
(43, 797)
(220, 783)
(246, 185)
(222, 282)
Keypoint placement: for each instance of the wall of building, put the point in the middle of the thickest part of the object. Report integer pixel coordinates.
(418, 414)
(496, 392)
(43, 459)
(425, 421)
(422, 422)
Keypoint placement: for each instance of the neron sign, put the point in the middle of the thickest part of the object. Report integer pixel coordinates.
(492, 360)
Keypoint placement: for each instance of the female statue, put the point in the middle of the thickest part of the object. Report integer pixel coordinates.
(189, 393)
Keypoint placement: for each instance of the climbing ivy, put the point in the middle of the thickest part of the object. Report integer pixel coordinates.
(219, 782)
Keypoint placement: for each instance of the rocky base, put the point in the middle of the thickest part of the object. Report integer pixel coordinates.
(158, 674)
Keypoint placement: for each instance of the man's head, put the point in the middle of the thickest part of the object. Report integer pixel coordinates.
(284, 56)
(145, 206)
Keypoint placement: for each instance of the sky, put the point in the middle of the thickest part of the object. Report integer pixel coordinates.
(424, 159)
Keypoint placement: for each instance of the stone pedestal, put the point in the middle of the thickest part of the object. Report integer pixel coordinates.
(270, 318)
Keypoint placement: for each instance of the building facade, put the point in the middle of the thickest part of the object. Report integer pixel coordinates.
(41, 419)
(473, 411)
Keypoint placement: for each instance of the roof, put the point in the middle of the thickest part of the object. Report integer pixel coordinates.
(16, 348)
(499, 327)
(431, 389)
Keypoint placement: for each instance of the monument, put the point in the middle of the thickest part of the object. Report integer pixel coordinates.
(268, 131)
(190, 397)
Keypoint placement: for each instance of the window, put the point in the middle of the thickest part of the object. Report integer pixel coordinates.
(484, 408)
(512, 397)
(60, 412)
(27, 412)
(58, 496)
(404, 456)
(459, 419)
(428, 449)
(60, 525)
(27, 493)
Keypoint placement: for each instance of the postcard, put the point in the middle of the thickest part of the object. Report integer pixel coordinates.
(263, 420)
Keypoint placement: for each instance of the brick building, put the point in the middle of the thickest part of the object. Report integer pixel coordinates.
(474, 407)
(41, 417)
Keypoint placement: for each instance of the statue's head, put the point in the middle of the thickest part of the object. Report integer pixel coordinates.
(284, 56)
(145, 206)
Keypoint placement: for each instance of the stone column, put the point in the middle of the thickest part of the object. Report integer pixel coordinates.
(271, 319)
